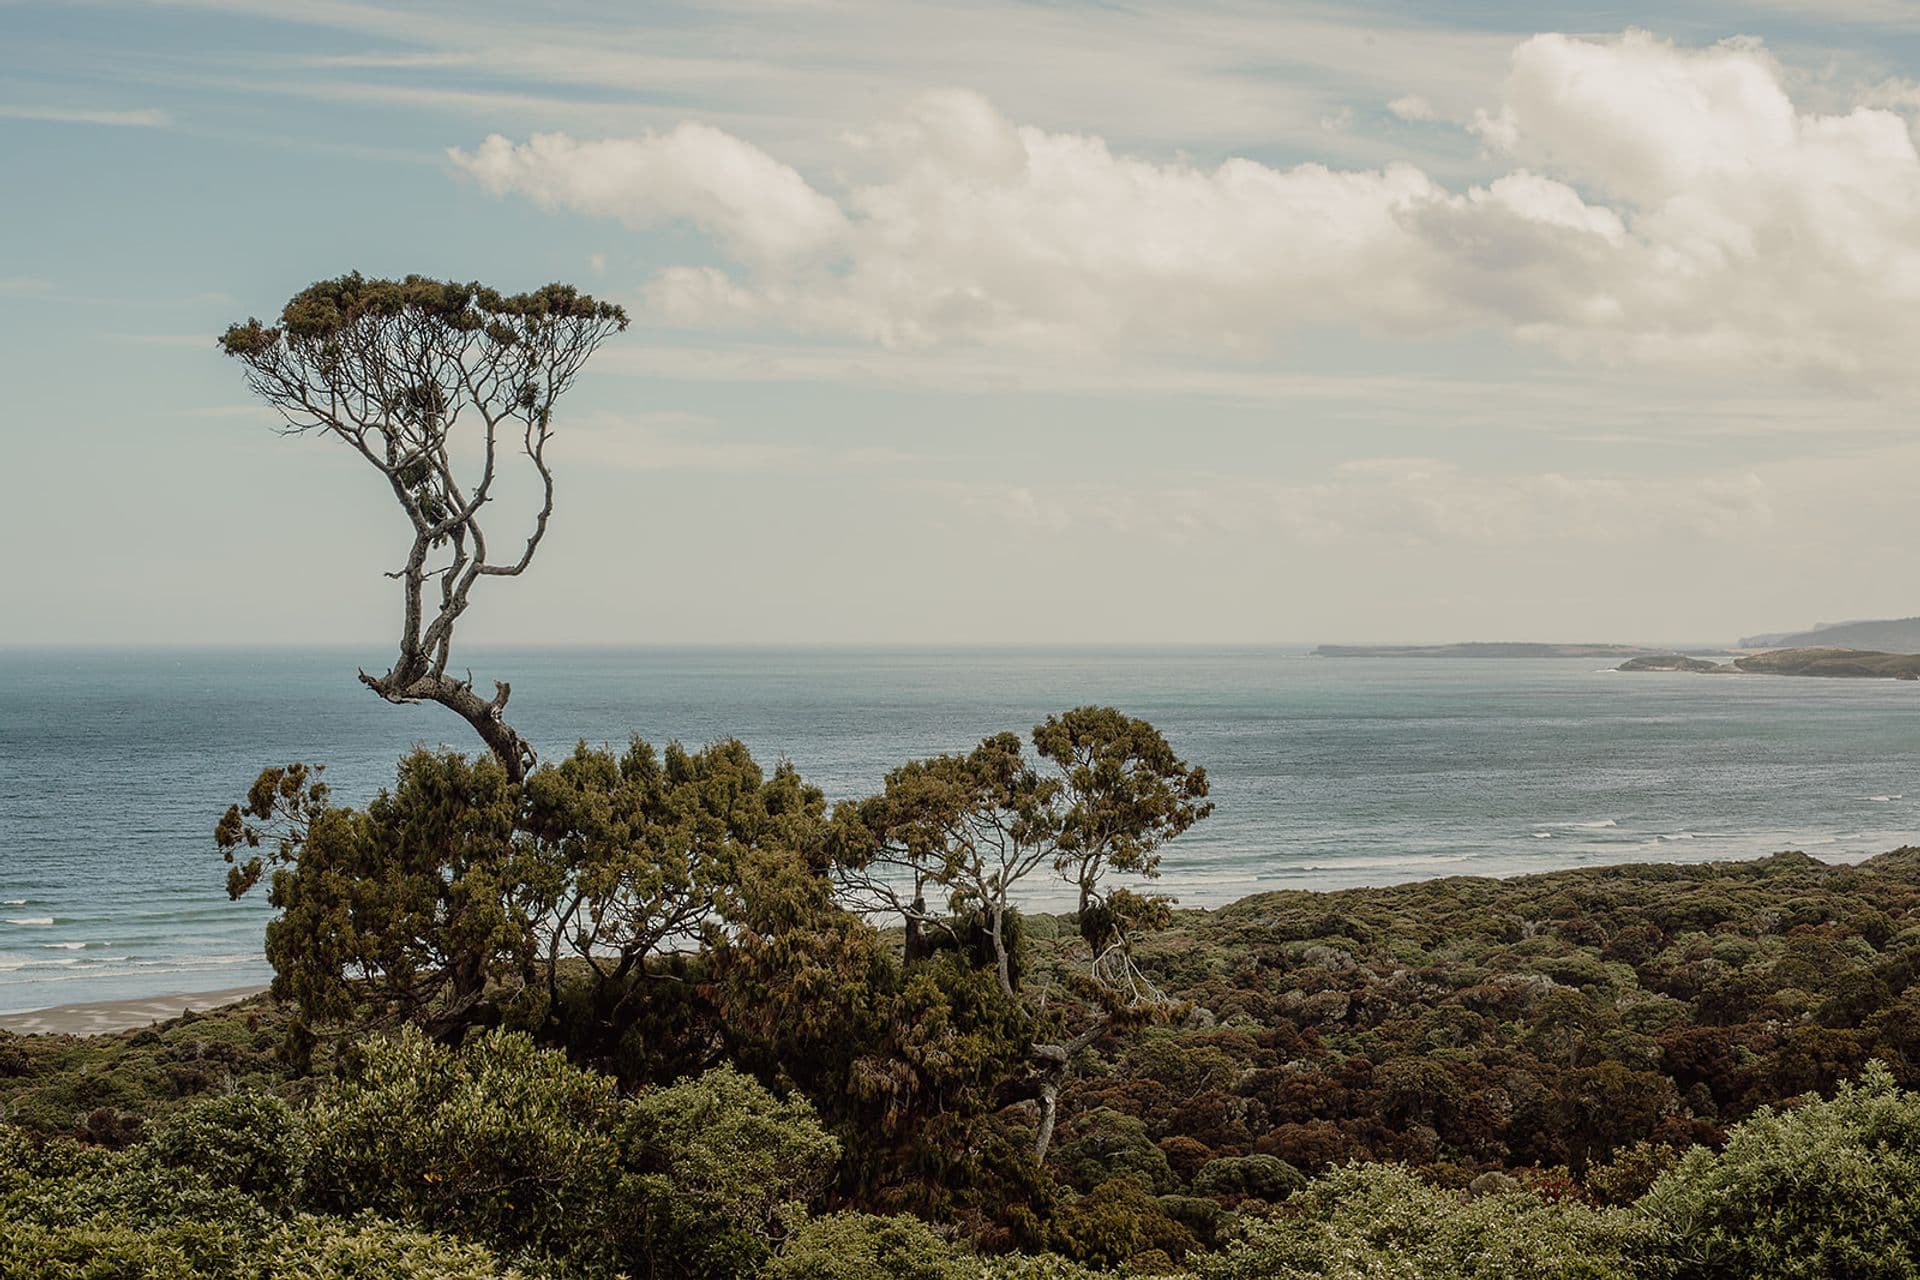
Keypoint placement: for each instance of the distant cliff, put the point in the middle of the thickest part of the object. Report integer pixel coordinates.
(1888, 635)
(1482, 649)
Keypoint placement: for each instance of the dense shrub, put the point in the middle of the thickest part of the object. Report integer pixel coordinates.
(1593, 1019)
(1381, 1222)
(724, 1171)
(860, 1246)
(499, 1141)
(1248, 1177)
(54, 1084)
(366, 1248)
(252, 1142)
(1830, 1188)
(1118, 1223)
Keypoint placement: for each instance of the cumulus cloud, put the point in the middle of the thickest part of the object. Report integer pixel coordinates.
(1659, 204)
(758, 208)
(1413, 108)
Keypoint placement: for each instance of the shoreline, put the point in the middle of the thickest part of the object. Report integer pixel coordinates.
(107, 1017)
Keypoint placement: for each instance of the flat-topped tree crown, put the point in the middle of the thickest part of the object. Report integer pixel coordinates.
(441, 387)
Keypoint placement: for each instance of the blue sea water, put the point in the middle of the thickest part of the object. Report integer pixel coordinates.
(1327, 773)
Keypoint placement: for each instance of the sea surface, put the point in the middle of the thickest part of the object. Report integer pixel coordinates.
(1327, 772)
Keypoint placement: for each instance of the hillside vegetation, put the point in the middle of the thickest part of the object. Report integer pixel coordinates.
(1577, 1074)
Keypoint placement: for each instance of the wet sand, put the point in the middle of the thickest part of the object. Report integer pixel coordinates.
(107, 1016)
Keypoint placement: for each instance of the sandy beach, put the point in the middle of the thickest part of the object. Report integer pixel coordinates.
(106, 1016)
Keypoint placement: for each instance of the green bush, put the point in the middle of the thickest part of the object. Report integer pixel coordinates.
(1118, 1222)
(308, 1249)
(1382, 1222)
(1105, 1143)
(1830, 1188)
(252, 1142)
(367, 1248)
(29, 1251)
(1046, 1266)
(1244, 1177)
(725, 1171)
(499, 1141)
(860, 1246)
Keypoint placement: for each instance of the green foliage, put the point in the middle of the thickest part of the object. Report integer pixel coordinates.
(325, 311)
(641, 851)
(1563, 1021)
(499, 1141)
(58, 1084)
(1104, 1143)
(861, 1246)
(1123, 794)
(1829, 1188)
(1381, 1222)
(367, 1248)
(72, 1209)
(404, 909)
(458, 883)
(1045, 1266)
(726, 1170)
(252, 1142)
(1120, 1223)
(1248, 1177)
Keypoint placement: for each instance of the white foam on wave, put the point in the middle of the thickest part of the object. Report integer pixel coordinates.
(13, 902)
(1543, 835)
(1886, 799)
(31, 920)
(63, 946)
(1370, 864)
(1598, 824)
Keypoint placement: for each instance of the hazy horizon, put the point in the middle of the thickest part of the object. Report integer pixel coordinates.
(1012, 323)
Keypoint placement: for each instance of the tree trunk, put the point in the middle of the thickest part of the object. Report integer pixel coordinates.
(1003, 963)
(464, 1004)
(1049, 1112)
(410, 682)
(1049, 1062)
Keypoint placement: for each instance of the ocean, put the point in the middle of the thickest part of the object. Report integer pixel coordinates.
(1327, 772)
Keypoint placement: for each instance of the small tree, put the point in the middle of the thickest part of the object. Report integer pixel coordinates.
(1106, 793)
(391, 367)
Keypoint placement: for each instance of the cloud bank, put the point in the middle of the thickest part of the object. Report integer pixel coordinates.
(1658, 205)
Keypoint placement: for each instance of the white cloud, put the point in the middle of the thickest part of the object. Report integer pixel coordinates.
(1666, 205)
(1413, 108)
(145, 118)
(759, 209)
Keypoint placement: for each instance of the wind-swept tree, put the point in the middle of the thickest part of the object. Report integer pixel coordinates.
(442, 387)
(949, 843)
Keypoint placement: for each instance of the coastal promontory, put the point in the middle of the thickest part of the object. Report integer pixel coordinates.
(1860, 664)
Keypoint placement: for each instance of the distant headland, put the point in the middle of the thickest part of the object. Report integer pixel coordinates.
(1859, 664)
(1881, 635)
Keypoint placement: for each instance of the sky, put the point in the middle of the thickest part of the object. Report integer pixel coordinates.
(997, 322)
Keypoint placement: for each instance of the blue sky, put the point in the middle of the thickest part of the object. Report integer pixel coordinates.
(997, 322)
